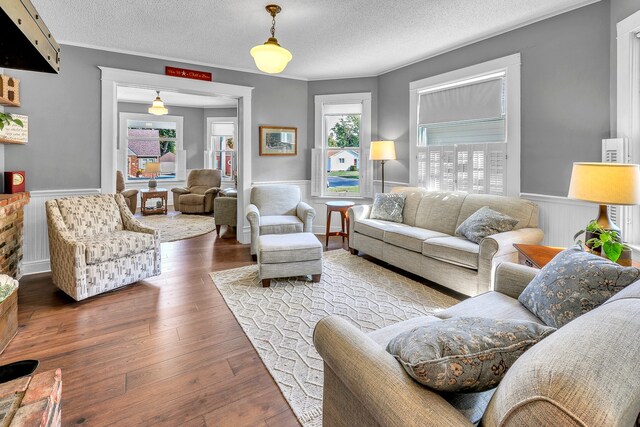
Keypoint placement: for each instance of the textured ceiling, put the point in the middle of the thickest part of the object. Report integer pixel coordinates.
(146, 96)
(328, 38)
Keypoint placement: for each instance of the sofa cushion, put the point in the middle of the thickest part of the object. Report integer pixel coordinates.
(525, 211)
(384, 335)
(411, 202)
(573, 283)
(484, 223)
(191, 199)
(388, 206)
(280, 224)
(410, 237)
(88, 216)
(296, 247)
(493, 305)
(115, 245)
(465, 353)
(438, 211)
(375, 227)
(454, 250)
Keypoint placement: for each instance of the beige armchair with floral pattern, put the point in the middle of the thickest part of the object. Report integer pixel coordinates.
(96, 245)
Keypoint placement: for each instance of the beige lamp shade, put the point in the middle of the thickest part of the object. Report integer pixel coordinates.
(382, 150)
(152, 167)
(606, 183)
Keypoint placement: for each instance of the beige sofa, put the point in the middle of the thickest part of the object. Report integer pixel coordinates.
(584, 374)
(424, 243)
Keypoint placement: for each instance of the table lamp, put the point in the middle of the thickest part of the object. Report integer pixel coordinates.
(383, 151)
(606, 184)
(153, 169)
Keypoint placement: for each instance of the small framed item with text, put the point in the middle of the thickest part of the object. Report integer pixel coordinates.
(14, 182)
(278, 141)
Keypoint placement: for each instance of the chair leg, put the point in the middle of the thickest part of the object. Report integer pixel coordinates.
(316, 277)
(254, 257)
(326, 244)
(218, 229)
(342, 220)
(266, 283)
(353, 251)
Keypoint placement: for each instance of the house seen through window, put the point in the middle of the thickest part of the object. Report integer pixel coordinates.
(151, 142)
(342, 142)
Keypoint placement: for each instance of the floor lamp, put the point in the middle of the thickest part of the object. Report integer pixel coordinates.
(383, 151)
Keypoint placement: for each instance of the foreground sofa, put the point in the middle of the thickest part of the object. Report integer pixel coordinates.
(424, 243)
(97, 245)
(584, 374)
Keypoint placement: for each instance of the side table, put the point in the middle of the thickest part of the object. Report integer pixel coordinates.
(342, 207)
(153, 193)
(538, 256)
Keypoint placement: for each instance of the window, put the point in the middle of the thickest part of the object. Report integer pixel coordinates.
(144, 139)
(221, 143)
(465, 130)
(343, 136)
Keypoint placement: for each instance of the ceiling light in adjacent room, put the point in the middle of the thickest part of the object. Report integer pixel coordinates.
(270, 57)
(157, 108)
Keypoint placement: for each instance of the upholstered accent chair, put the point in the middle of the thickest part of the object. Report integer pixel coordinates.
(96, 245)
(277, 209)
(130, 196)
(226, 208)
(202, 187)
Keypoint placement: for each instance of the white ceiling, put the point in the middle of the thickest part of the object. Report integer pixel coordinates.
(328, 38)
(146, 96)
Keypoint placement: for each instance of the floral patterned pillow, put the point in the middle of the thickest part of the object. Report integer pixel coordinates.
(483, 223)
(573, 283)
(388, 206)
(465, 354)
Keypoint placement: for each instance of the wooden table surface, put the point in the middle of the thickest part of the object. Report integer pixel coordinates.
(538, 255)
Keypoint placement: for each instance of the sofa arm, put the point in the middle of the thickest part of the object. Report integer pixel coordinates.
(355, 213)
(306, 214)
(377, 380)
(212, 190)
(511, 279)
(180, 190)
(253, 216)
(501, 244)
(130, 223)
(129, 193)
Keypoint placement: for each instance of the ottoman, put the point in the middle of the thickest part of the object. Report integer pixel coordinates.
(287, 255)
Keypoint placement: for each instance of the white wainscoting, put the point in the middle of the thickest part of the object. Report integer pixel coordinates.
(36, 242)
(560, 218)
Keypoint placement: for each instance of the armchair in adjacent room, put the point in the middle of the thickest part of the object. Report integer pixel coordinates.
(202, 187)
(277, 209)
(130, 196)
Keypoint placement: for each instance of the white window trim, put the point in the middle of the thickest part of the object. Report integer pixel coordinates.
(208, 152)
(511, 66)
(366, 165)
(628, 104)
(181, 157)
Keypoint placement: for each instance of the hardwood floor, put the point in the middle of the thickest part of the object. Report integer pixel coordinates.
(164, 351)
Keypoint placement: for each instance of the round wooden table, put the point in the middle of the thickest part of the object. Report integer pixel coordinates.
(342, 207)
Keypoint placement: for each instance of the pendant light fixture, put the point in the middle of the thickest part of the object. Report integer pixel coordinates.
(270, 57)
(157, 108)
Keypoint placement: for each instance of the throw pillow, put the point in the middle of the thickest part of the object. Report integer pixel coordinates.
(464, 354)
(573, 283)
(388, 206)
(485, 222)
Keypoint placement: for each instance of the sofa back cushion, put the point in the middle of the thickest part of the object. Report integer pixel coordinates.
(411, 202)
(276, 199)
(525, 211)
(583, 374)
(439, 211)
(88, 216)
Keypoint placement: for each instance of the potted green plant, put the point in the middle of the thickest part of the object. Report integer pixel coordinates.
(591, 231)
(606, 243)
(6, 119)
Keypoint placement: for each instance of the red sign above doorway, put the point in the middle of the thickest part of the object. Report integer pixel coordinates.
(188, 74)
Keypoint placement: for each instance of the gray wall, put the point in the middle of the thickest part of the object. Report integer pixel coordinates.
(329, 87)
(193, 123)
(64, 118)
(565, 94)
(220, 112)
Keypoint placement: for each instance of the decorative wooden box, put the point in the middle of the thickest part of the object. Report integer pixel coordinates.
(8, 319)
(9, 91)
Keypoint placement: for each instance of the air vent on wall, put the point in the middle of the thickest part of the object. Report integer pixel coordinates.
(26, 42)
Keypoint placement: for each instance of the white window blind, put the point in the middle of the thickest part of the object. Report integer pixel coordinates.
(616, 150)
(482, 100)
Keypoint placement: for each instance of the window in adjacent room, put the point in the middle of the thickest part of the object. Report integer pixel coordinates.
(466, 129)
(150, 139)
(222, 148)
(343, 136)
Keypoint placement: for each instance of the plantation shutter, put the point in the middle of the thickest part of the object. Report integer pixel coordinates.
(617, 151)
(317, 172)
(439, 165)
(423, 168)
(496, 168)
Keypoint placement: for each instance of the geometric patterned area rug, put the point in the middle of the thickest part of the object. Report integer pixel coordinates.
(279, 320)
(177, 226)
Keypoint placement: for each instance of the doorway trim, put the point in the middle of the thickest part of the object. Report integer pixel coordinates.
(114, 77)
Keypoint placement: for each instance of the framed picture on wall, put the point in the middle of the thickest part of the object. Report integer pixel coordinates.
(278, 141)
